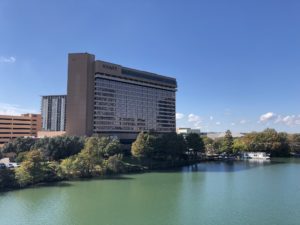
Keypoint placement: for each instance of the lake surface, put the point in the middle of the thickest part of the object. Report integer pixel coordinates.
(212, 193)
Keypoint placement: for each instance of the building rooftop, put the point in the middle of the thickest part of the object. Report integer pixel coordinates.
(149, 76)
(56, 95)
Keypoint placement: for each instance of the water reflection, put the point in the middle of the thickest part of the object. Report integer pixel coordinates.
(210, 193)
(227, 166)
(259, 161)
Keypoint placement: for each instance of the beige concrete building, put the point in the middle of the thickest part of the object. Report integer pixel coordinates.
(109, 99)
(50, 134)
(25, 125)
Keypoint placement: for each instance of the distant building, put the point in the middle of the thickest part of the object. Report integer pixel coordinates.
(111, 100)
(5, 161)
(50, 134)
(216, 135)
(185, 131)
(54, 112)
(25, 125)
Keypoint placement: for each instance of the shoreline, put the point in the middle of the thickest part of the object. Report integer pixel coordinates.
(142, 169)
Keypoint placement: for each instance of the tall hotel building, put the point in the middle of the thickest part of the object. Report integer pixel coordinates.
(54, 112)
(108, 99)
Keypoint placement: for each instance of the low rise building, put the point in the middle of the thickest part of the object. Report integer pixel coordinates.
(216, 135)
(186, 131)
(50, 134)
(25, 125)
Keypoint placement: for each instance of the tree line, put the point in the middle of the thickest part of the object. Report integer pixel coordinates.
(170, 146)
(64, 157)
(278, 144)
(60, 158)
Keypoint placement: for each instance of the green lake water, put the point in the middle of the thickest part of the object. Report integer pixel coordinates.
(212, 193)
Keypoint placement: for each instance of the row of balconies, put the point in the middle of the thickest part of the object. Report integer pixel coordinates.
(14, 126)
(13, 135)
(16, 122)
(18, 130)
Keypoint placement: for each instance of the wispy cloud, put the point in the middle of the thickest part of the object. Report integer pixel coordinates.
(243, 121)
(218, 123)
(193, 118)
(289, 120)
(9, 109)
(10, 59)
(179, 116)
(211, 118)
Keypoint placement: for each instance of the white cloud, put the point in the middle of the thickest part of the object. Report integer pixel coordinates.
(8, 109)
(278, 119)
(232, 124)
(243, 121)
(211, 118)
(289, 120)
(198, 124)
(193, 118)
(297, 121)
(10, 59)
(179, 116)
(218, 123)
(267, 117)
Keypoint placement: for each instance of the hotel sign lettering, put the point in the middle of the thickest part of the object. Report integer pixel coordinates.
(102, 67)
(110, 67)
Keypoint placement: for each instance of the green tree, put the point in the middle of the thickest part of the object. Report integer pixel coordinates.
(55, 148)
(67, 168)
(87, 162)
(111, 147)
(209, 145)
(91, 160)
(114, 164)
(104, 146)
(50, 171)
(20, 144)
(270, 141)
(21, 157)
(217, 144)
(144, 145)
(60, 147)
(207, 140)
(31, 169)
(7, 179)
(294, 142)
(227, 144)
(195, 143)
(239, 145)
(172, 146)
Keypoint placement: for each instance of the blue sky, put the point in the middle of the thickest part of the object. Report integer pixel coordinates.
(237, 63)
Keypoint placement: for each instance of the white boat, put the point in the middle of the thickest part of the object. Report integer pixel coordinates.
(256, 155)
